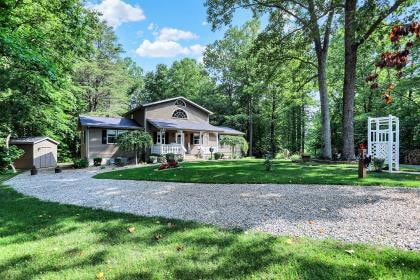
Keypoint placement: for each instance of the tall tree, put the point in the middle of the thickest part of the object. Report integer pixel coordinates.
(315, 18)
(357, 31)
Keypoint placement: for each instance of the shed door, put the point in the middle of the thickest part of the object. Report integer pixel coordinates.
(45, 158)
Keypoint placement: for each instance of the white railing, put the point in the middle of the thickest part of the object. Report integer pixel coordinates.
(162, 149)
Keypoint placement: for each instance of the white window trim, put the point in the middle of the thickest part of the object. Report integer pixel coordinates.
(181, 110)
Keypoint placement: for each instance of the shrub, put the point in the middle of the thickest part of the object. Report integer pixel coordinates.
(218, 155)
(378, 164)
(8, 156)
(97, 161)
(120, 161)
(268, 163)
(280, 156)
(295, 157)
(153, 159)
(161, 159)
(80, 163)
(170, 156)
(173, 163)
(179, 158)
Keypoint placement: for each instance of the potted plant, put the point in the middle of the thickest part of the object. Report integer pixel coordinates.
(34, 170)
(57, 169)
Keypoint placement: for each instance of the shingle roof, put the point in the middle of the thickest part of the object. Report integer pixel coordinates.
(183, 124)
(228, 130)
(168, 100)
(31, 140)
(92, 121)
(192, 125)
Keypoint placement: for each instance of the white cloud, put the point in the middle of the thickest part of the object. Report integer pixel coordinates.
(173, 34)
(166, 43)
(197, 49)
(117, 12)
(161, 49)
(204, 23)
(152, 26)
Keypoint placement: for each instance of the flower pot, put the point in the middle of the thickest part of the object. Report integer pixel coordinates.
(34, 171)
(57, 170)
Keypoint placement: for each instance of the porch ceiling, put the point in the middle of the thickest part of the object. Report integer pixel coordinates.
(178, 124)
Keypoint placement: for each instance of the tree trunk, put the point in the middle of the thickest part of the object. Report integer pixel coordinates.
(350, 60)
(7, 148)
(325, 111)
(250, 127)
(273, 125)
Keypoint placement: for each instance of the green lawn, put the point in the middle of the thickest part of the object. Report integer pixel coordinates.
(253, 171)
(44, 240)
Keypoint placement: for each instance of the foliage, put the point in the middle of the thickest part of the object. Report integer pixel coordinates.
(134, 141)
(8, 155)
(170, 157)
(80, 163)
(378, 164)
(233, 141)
(120, 161)
(161, 159)
(295, 157)
(218, 155)
(97, 161)
(252, 171)
(268, 163)
(152, 159)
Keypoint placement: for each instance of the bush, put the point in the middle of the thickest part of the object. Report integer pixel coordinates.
(280, 155)
(120, 161)
(161, 159)
(378, 164)
(80, 163)
(179, 158)
(153, 159)
(218, 155)
(170, 156)
(8, 156)
(163, 166)
(97, 161)
(295, 157)
(268, 163)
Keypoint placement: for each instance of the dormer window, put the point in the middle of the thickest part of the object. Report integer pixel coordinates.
(180, 103)
(179, 114)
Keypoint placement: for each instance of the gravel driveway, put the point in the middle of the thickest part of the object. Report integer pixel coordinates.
(389, 216)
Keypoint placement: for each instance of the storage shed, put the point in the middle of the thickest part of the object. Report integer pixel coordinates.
(39, 151)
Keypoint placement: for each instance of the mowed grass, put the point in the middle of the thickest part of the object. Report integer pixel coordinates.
(253, 171)
(44, 240)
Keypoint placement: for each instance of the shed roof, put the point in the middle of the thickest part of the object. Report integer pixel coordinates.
(107, 122)
(31, 140)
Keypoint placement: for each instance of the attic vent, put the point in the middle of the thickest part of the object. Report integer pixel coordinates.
(180, 102)
(179, 114)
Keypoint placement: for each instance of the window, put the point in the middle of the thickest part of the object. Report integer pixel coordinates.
(178, 138)
(180, 102)
(179, 114)
(112, 135)
(161, 141)
(196, 139)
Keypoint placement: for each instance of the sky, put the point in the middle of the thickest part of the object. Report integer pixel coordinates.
(161, 31)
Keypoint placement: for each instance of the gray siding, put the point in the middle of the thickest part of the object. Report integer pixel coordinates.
(165, 111)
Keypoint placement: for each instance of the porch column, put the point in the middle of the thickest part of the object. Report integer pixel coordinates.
(201, 138)
(217, 141)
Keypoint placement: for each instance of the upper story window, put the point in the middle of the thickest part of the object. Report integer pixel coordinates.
(180, 102)
(179, 114)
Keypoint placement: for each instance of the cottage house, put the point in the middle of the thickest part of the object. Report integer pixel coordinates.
(177, 126)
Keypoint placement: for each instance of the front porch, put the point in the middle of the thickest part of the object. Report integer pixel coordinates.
(195, 143)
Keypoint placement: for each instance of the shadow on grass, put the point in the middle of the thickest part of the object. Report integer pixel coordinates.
(184, 250)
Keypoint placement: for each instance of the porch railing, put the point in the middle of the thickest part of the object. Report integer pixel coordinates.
(163, 149)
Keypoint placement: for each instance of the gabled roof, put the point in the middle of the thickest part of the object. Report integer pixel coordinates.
(228, 130)
(168, 100)
(183, 125)
(31, 140)
(124, 123)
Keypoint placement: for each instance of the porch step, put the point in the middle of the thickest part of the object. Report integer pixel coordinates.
(190, 157)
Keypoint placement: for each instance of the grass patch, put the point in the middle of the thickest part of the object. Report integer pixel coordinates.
(253, 171)
(45, 240)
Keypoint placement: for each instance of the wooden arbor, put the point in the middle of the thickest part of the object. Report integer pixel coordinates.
(384, 140)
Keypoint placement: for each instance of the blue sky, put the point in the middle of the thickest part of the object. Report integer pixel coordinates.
(161, 31)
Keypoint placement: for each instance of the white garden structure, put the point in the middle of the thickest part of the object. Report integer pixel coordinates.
(384, 140)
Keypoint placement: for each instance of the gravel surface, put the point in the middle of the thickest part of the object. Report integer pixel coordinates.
(388, 216)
